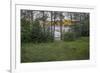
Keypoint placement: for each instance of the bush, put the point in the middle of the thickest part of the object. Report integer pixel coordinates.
(25, 31)
(38, 34)
(48, 36)
(77, 29)
(69, 36)
(34, 33)
(85, 28)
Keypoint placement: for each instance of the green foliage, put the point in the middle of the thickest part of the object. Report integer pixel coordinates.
(77, 28)
(85, 28)
(81, 29)
(69, 36)
(25, 31)
(38, 34)
(48, 37)
(36, 31)
(33, 32)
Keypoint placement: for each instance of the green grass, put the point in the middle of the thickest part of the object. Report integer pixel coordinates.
(55, 51)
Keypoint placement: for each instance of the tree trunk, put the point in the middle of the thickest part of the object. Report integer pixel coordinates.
(71, 17)
(54, 23)
(43, 22)
(61, 29)
(51, 22)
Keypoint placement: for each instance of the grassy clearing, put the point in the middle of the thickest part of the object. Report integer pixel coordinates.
(56, 51)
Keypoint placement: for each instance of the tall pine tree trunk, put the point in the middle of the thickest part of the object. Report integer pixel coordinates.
(61, 28)
(71, 17)
(43, 22)
(51, 23)
(54, 23)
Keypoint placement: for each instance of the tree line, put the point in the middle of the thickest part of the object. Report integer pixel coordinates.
(39, 26)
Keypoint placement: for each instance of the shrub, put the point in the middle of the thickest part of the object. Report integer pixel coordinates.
(77, 29)
(34, 33)
(38, 34)
(69, 36)
(25, 31)
(85, 28)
